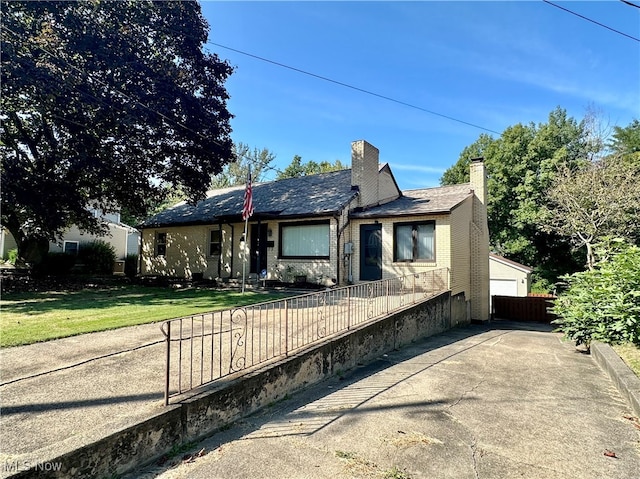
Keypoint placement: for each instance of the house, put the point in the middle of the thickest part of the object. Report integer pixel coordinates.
(334, 228)
(508, 278)
(124, 239)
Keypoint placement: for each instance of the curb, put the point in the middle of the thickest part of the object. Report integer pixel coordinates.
(625, 380)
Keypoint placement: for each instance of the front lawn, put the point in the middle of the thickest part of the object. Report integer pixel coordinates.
(27, 318)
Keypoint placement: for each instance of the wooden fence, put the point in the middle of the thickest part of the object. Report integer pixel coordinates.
(529, 308)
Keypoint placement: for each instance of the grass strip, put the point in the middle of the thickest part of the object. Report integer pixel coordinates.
(27, 318)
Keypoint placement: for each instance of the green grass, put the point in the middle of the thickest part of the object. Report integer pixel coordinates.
(27, 318)
(630, 354)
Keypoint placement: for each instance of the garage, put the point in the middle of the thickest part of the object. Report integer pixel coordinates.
(503, 287)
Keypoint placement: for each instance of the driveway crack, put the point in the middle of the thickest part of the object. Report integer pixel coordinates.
(465, 393)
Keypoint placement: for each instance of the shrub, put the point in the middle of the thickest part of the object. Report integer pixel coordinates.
(12, 256)
(97, 256)
(603, 304)
(55, 264)
(131, 265)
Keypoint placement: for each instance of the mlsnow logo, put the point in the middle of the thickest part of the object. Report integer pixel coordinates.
(15, 465)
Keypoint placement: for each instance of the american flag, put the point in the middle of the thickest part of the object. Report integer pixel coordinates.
(247, 206)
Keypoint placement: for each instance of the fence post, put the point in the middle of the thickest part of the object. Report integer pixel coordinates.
(413, 288)
(167, 370)
(286, 328)
(387, 281)
(349, 308)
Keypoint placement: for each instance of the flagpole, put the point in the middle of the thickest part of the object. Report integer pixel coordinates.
(247, 210)
(244, 258)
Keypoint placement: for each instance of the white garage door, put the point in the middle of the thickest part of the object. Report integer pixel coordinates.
(504, 287)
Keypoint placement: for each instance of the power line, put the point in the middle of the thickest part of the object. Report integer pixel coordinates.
(346, 85)
(86, 76)
(593, 21)
(630, 4)
(124, 95)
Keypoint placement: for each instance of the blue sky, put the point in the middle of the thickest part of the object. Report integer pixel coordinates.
(492, 64)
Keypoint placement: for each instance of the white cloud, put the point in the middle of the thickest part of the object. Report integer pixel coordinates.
(420, 168)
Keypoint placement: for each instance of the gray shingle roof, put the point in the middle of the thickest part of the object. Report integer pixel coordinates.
(313, 195)
(420, 202)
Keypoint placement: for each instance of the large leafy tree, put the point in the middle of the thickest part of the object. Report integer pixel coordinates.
(625, 141)
(599, 198)
(521, 165)
(245, 158)
(297, 168)
(105, 105)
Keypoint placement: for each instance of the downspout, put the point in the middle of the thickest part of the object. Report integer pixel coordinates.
(220, 255)
(140, 251)
(232, 243)
(338, 255)
(339, 235)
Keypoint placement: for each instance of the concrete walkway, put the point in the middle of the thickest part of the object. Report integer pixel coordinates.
(60, 395)
(475, 402)
(471, 403)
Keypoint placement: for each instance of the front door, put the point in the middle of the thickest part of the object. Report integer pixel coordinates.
(370, 252)
(258, 248)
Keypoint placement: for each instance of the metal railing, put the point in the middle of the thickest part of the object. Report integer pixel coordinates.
(205, 347)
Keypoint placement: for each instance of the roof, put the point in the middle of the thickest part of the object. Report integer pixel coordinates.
(508, 262)
(314, 195)
(437, 200)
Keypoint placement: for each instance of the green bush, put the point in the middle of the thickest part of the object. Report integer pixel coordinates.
(55, 264)
(12, 256)
(603, 304)
(97, 257)
(131, 265)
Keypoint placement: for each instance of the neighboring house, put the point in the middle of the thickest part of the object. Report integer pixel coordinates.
(508, 278)
(334, 228)
(124, 239)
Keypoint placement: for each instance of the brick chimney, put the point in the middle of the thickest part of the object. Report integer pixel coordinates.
(478, 179)
(479, 243)
(364, 172)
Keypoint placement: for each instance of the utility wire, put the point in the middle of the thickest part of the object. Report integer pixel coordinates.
(171, 120)
(121, 93)
(630, 4)
(346, 85)
(593, 21)
(87, 76)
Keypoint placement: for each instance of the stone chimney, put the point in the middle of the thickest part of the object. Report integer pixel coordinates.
(478, 179)
(364, 172)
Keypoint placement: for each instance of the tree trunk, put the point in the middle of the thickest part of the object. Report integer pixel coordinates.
(31, 250)
(590, 257)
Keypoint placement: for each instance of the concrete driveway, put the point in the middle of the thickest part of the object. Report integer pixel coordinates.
(500, 401)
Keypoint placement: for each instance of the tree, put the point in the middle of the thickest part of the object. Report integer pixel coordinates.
(459, 172)
(600, 199)
(235, 172)
(626, 141)
(297, 169)
(107, 105)
(521, 165)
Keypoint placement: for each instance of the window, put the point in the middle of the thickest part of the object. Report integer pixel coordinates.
(304, 240)
(70, 247)
(214, 243)
(161, 244)
(414, 241)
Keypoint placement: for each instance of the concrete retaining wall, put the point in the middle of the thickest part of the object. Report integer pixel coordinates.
(226, 402)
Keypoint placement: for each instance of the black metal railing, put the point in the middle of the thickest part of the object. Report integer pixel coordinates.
(205, 347)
